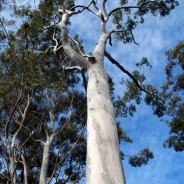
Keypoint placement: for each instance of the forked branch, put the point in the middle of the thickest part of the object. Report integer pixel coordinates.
(72, 12)
(113, 61)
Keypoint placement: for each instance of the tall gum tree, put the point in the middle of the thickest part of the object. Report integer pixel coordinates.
(103, 155)
(104, 164)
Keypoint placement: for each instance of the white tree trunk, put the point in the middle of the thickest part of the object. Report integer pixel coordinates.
(13, 169)
(103, 154)
(45, 163)
(104, 164)
(25, 169)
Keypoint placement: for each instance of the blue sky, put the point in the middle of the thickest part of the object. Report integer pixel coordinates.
(155, 37)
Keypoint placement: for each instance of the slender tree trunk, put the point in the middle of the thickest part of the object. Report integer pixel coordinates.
(13, 170)
(103, 156)
(25, 169)
(45, 162)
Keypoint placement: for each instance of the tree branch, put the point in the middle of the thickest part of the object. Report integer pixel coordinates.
(11, 115)
(113, 61)
(84, 80)
(78, 47)
(82, 70)
(105, 10)
(79, 68)
(83, 8)
(66, 44)
(131, 7)
(21, 123)
(119, 31)
(5, 177)
(56, 48)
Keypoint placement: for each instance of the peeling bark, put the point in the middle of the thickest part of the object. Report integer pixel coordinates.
(104, 165)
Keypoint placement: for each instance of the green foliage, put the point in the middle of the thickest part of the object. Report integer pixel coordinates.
(141, 158)
(122, 135)
(173, 94)
(126, 19)
(143, 62)
(28, 67)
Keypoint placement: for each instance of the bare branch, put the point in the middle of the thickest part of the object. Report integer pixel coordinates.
(132, 7)
(5, 177)
(68, 118)
(67, 46)
(74, 68)
(104, 10)
(83, 8)
(11, 114)
(82, 70)
(113, 61)
(95, 5)
(22, 121)
(82, 175)
(84, 80)
(121, 31)
(26, 140)
(56, 48)
(25, 169)
(78, 46)
(38, 140)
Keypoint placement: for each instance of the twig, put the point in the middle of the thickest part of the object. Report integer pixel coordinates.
(82, 71)
(71, 12)
(78, 47)
(56, 48)
(113, 61)
(79, 68)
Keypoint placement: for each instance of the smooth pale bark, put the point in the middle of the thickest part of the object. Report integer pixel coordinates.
(45, 162)
(12, 154)
(25, 169)
(13, 170)
(103, 156)
(104, 165)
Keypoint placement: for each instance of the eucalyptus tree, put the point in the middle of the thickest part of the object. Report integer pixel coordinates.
(103, 155)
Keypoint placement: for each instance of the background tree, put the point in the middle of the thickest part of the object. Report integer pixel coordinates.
(173, 92)
(41, 116)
